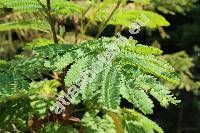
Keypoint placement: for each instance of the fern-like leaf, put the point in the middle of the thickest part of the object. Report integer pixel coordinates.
(135, 122)
(28, 24)
(74, 74)
(110, 94)
(149, 67)
(95, 124)
(21, 5)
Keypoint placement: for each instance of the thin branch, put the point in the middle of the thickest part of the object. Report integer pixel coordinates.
(50, 19)
(103, 26)
(84, 30)
(85, 12)
(82, 18)
(62, 81)
(61, 39)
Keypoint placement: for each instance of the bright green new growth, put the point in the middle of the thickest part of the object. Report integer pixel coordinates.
(132, 74)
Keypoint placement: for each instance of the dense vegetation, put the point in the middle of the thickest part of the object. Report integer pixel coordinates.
(89, 50)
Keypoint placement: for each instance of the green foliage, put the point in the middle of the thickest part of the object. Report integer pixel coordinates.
(135, 122)
(129, 120)
(143, 2)
(96, 124)
(15, 112)
(33, 6)
(57, 128)
(87, 12)
(43, 96)
(36, 43)
(149, 19)
(135, 88)
(183, 64)
(65, 7)
(173, 6)
(131, 73)
(31, 24)
(36, 101)
(58, 6)
(110, 95)
(125, 16)
(21, 5)
(105, 70)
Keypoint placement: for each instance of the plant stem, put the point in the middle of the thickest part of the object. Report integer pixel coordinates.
(51, 21)
(83, 15)
(103, 26)
(62, 81)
